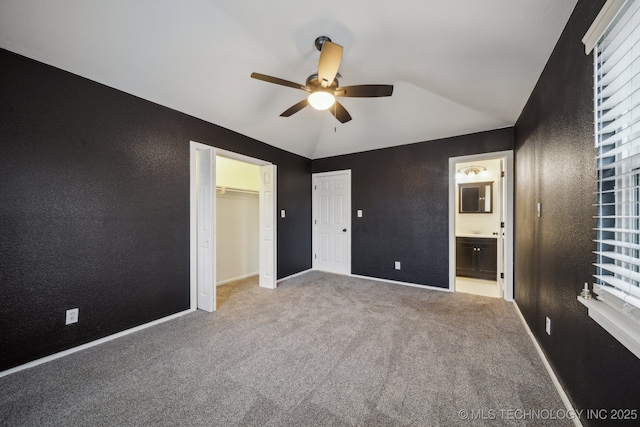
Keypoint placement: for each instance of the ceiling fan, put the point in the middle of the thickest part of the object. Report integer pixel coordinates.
(323, 86)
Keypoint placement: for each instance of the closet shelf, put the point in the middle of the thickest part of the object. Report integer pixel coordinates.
(223, 190)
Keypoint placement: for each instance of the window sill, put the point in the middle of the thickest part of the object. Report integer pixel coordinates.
(618, 325)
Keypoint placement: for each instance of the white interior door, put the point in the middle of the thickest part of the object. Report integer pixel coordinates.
(268, 261)
(332, 222)
(206, 229)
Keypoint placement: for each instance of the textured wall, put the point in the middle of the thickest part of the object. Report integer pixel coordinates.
(404, 193)
(94, 208)
(555, 166)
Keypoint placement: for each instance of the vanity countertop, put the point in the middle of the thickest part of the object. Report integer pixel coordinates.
(478, 236)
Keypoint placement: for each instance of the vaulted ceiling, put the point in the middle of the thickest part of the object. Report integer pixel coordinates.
(457, 66)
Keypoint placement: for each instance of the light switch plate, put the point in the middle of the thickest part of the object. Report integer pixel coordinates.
(282, 213)
(72, 316)
(359, 213)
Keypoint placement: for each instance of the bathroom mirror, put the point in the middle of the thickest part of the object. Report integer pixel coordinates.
(475, 197)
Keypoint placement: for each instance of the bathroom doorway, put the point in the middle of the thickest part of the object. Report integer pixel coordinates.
(480, 224)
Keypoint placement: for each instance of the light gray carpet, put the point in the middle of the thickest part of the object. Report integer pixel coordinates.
(320, 350)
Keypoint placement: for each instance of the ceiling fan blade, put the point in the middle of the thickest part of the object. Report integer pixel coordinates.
(330, 57)
(340, 112)
(365, 91)
(299, 106)
(278, 81)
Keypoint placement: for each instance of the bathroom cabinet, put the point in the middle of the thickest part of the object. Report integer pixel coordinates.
(477, 257)
(475, 197)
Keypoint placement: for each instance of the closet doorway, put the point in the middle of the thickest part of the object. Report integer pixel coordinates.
(237, 221)
(235, 193)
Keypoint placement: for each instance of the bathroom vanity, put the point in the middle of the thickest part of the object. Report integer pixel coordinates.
(477, 257)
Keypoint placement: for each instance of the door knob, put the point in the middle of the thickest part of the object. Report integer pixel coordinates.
(344, 230)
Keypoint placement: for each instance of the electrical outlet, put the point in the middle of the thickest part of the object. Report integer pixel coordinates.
(72, 316)
(397, 265)
(547, 325)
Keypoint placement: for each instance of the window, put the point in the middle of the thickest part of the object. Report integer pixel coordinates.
(617, 128)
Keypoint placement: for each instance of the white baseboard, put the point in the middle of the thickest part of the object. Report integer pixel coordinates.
(294, 275)
(91, 344)
(545, 362)
(235, 279)
(395, 282)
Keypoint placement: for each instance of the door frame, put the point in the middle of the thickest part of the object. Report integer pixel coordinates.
(193, 210)
(314, 239)
(508, 158)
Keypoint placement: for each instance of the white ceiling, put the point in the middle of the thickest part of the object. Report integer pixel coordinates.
(457, 66)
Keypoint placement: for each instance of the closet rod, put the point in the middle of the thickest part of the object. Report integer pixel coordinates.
(236, 190)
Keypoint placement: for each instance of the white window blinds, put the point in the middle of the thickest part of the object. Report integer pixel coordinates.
(617, 98)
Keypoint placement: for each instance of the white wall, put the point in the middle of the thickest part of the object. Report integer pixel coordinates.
(237, 220)
(235, 174)
(479, 223)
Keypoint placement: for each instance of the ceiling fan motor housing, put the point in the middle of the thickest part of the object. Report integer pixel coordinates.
(314, 82)
(320, 41)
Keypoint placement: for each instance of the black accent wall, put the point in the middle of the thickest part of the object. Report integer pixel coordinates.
(404, 194)
(555, 165)
(94, 208)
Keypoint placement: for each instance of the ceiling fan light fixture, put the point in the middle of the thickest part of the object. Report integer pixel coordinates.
(321, 100)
